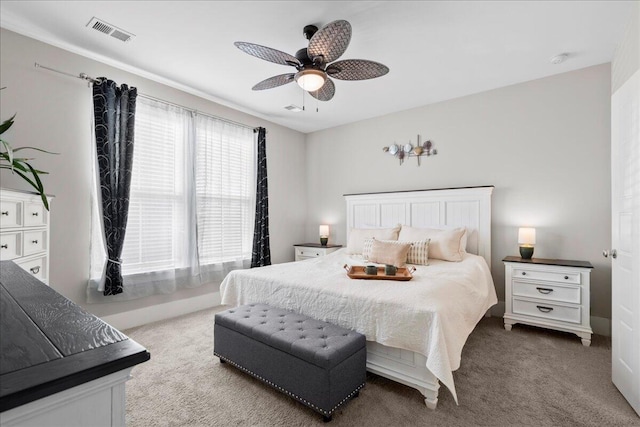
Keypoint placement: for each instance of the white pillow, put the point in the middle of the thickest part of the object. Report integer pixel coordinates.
(357, 237)
(389, 252)
(446, 244)
(418, 253)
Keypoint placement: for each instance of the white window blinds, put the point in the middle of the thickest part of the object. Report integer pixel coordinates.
(225, 190)
(182, 164)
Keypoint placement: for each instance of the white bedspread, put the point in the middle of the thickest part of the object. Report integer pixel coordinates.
(432, 314)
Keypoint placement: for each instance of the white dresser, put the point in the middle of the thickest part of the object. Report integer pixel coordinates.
(550, 293)
(313, 250)
(24, 232)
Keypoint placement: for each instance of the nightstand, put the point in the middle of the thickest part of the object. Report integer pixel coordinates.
(313, 250)
(549, 293)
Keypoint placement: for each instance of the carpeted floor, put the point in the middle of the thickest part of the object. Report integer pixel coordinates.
(526, 377)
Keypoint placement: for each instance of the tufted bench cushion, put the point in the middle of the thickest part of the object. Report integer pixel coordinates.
(316, 362)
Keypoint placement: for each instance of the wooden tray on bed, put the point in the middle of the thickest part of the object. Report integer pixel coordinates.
(357, 272)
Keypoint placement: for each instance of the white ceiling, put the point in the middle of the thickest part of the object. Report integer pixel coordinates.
(435, 50)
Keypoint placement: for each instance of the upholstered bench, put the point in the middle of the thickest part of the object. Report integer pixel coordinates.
(319, 364)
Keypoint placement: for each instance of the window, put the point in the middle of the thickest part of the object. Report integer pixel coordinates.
(192, 191)
(225, 190)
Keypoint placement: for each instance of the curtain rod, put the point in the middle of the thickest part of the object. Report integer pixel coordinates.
(89, 79)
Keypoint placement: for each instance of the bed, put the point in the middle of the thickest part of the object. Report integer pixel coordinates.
(416, 329)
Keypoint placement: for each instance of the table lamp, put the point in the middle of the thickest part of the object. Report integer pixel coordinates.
(526, 240)
(324, 235)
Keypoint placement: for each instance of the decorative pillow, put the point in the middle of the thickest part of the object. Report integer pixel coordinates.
(418, 254)
(392, 253)
(357, 236)
(445, 244)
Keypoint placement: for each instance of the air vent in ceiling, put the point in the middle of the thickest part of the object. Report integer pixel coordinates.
(111, 30)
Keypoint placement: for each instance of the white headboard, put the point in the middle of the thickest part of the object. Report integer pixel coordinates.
(464, 207)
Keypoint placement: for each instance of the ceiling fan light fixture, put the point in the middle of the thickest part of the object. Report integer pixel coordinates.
(310, 80)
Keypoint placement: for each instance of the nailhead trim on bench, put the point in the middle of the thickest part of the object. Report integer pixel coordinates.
(299, 399)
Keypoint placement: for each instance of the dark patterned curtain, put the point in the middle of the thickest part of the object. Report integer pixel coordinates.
(261, 254)
(114, 113)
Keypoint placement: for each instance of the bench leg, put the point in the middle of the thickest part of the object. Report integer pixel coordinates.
(326, 419)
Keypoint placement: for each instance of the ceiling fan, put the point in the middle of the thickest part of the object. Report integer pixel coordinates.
(314, 64)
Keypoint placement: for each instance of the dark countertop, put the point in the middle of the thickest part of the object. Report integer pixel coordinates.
(543, 261)
(49, 344)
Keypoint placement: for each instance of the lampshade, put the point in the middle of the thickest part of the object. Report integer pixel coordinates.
(527, 236)
(324, 231)
(310, 80)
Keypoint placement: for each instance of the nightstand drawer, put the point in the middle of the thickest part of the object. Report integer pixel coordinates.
(547, 276)
(309, 252)
(562, 313)
(547, 291)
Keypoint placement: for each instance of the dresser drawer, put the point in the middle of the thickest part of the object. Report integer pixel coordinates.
(10, 246)
(36, 266)
(34, 242)
(10, 214)
(547, 310)
(547, 291)
(35, 214)
(547, 276)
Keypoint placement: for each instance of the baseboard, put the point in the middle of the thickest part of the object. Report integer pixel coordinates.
(154, 313)
(600, 325)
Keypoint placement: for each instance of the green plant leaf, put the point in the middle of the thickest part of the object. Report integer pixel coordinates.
(6, 124)
(33, 148)
(9, 151)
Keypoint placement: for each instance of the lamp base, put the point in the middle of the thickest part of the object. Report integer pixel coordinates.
(526, 252)
(324, 241)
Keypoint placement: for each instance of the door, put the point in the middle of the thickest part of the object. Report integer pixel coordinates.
(625, 255)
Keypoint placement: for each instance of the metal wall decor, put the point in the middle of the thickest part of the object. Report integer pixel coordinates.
(409, 150)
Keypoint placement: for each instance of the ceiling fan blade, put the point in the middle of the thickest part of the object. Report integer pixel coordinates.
(326, 92)
(274, 81)
(330, 41)
(268, 54)
(356, 69)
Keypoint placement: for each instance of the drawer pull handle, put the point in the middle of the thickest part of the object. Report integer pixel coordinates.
(5, 246)
(34, 214)
(35, 242)
(5, 213)
(544, 309)
(36, 270)
(544, 290)
(317, 254)
(524, 273)
(566, 277)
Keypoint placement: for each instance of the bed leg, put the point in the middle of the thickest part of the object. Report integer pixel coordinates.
(431, 403)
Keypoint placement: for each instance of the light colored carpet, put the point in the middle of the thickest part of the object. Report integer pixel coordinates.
(526, 377)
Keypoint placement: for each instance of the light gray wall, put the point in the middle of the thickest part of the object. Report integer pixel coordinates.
(54, 113)
(626, 60)
(544, 144)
